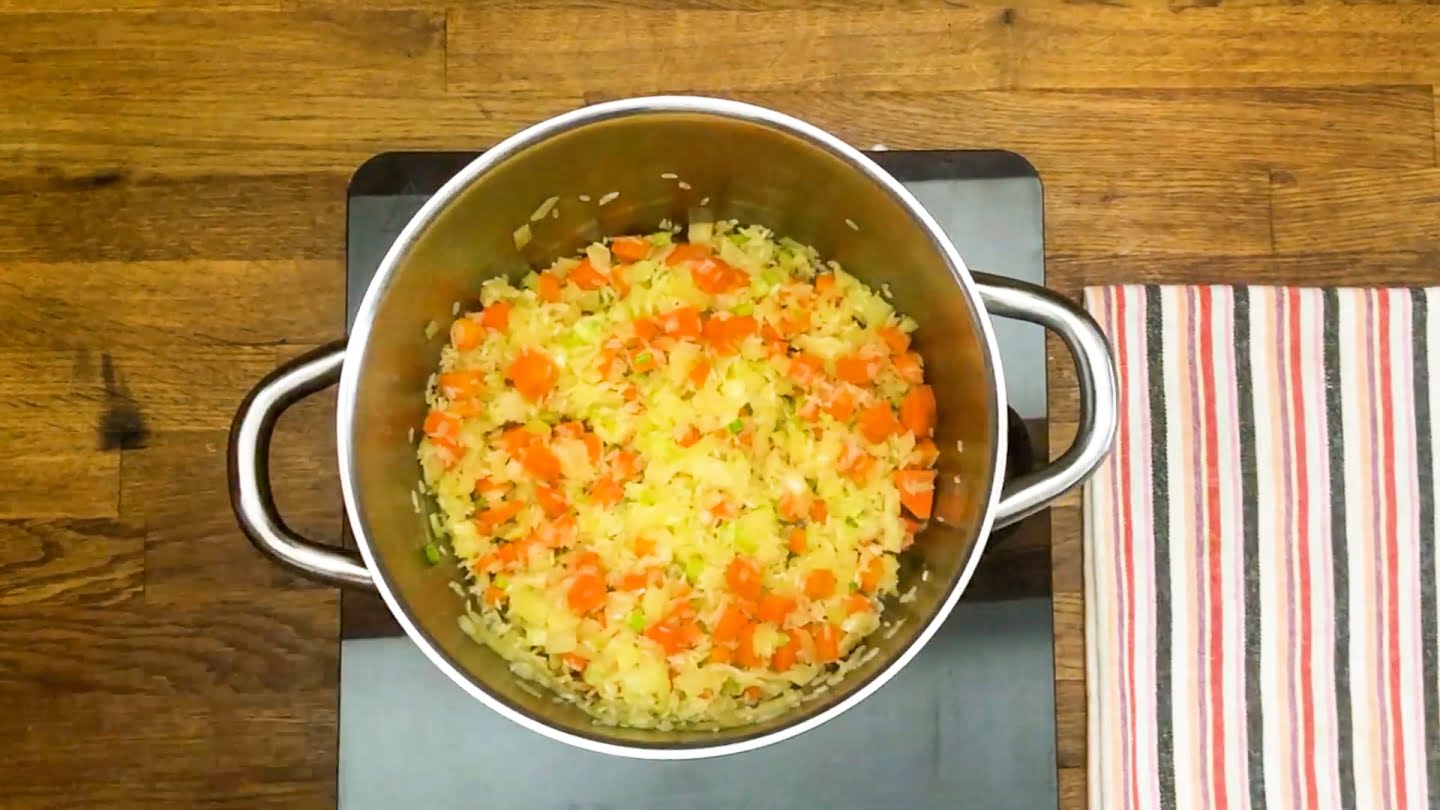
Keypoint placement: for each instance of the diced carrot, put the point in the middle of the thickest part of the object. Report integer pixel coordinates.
(805, 369)
(442, 425)
(631, 393)
(794, 505)
(917, 410)
(753, 693)
(910, 367)
(917, 491)
(855, 603)
(533, 374)
(775, 608)
(925, 453)
(842, 405)
(745, 648)
(857, 369)
(824, 283)
(912, 526)
(513, 553)
(606, 492)
(699, 373)
(793, 324)
(722, 333)
(466, 333)
(818, 512)
(720, 655)
(820, 583)
(586, 277)
(896, 340)
(609, 363)
(497, 316)
(516, 439)
(644, 546)
(551, 500)
(683, 322)
(548, 287)
(858, 470)
(630, 248)
(727, 628)
(585, 562)
(450, 449)
(796, 542)
(743, 577)
(558, 533)
(569, 430)
(686, 252)
(644, 359)
(488, 520)
(539, 461)
(634, 581)
(627, 465)
(593, 447)
(667, 634)
(575, 661)
(871, 574)
(689, 435)
(877, 423)
(810, 411)
(646, 329)
(494, 596)
(462, 385)
(619, 279)
(827, 642)
(490, 488)
(784, 658)
(715, 276)
(586, 593)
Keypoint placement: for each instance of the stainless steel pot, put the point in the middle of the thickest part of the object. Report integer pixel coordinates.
(742, 162)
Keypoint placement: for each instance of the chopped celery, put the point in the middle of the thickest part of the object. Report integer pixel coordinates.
(432, 553)
(636, 620)
(744, 308)
(643, 358)
(693, 567)
(736, 426)
(590, 328)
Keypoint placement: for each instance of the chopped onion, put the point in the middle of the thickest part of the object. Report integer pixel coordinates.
(522, 236)
(544, 209)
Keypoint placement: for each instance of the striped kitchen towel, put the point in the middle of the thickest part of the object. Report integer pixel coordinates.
(1260, 551)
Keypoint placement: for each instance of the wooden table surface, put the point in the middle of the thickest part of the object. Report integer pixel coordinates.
(171, 226)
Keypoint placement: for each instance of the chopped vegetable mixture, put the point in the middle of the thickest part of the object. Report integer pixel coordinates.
(678, 476)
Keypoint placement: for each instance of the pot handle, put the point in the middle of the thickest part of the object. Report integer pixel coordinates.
(1095, 371)
(249, 469)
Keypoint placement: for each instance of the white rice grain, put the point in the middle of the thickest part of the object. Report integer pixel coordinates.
(608, 198)
(410, 436)
(415, 502)
(521, 236)
(544, 209)
(850, 223)
(684, 185)
(431, 330)
(704, 201)
(455, 308)
(584, 198)
(668, 176)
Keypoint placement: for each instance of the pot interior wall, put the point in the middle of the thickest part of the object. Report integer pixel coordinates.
(740, 169)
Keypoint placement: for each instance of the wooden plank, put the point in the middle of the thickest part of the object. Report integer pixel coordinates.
(1070, 726)
(74, 751)
(225, 134)
(1145, 211)
(1111, 131)
(147, 303)
(929, 47)
(1069, 637)
(70, 562)
(49, 478)
(245, 645)
(1357, 210)
(168, 54)
(1152, 45)
(107, 216)
(1364, 268)
(1072, 789)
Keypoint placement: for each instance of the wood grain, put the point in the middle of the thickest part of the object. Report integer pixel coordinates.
(173, 173)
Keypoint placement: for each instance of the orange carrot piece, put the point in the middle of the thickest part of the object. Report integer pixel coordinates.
(917, 491)
(820, 583)
(793, 506)
(775, 608)
(575, 661)
(824, 283)
(533, 374)
(558, 533)
(462, 385)
(569, 430)
(796, 542)
(515, 439)
(586, 277)
(842, 405)
(627, 464)
(586, 593)
(720, 655)
(917, 410)
(497, 316)
(856, 603)
(805, 369)
(827, 643)
(635, 581)
(910, 368)
(646, 329)
(466, 333)
(688, 436)
(745, 648)
(644, 546)
(877, 423)
(896, 340)
(857, 369)
(700, 373)
(785, 657)
(630, 248)
(686, 252)
(818, 512)
(732, 621)
(871, 574)
(488, 520)
(551, 500)
(442, 425)
(925, 453)
(743, 577)
(683, 322)
(593, 447)
(540, 462)
(549, 287)
(606, 492)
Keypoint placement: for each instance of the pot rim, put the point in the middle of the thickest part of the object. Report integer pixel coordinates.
(360, 335)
